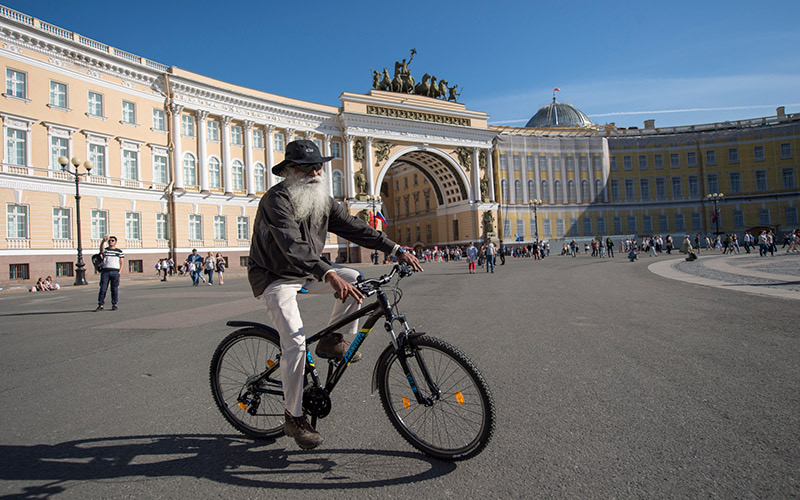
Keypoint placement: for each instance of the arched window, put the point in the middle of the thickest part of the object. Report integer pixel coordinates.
(531, 189)
(571, 191)
(598, 189)
(189, 170)
(237, 174)
(214, 178)
(338, 190)
(518, 191)
(585, 191)
(557, 189)
(259, 178)
(504, 191)
(545, 192)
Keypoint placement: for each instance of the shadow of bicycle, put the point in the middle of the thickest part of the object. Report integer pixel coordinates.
(231, 460)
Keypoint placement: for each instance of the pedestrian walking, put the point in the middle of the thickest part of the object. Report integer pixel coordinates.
(112, 263)
(472, 257)
(220, 269)
(194, 265)
(209, 264)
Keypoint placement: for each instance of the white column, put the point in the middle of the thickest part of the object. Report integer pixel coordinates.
(511, 177)
(177, 161)
(288, 137)
(349, 177)
(476, 175)
(270, 145)
(328, 169)
(550, 181)
(368, 168)
(606, 168)
(537, 176)
(247, 130)
(592, 194)
(226, 154)
(490, 173)
(524, 167)
(563, 167)
(202, 160)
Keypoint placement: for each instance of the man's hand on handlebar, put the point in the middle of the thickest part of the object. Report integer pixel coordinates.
(408, 258)
(343, 289)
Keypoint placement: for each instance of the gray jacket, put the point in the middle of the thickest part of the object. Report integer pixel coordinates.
(283, 248)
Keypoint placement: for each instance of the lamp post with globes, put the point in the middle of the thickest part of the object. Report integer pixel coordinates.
(80, 272)
(715, 198)
(373, 220)
(535, 204)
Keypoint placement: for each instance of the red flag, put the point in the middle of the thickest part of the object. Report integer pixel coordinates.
(372, 219)
(556, 89)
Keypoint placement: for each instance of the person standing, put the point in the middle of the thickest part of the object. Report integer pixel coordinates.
(472, 256)
(610, 247)
(490, 252)
(220, 268)
(112, 263)
(502, 253)
(194, 263)
(209, 264)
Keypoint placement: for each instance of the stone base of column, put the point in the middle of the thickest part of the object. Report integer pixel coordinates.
(228, 193)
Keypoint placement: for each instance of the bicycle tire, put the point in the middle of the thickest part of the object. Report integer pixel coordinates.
(240, 356)
(460, 423)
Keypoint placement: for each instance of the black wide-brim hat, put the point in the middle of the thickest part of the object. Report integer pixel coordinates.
(302, 152)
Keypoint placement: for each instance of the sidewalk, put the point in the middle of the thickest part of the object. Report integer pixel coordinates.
(777, 276)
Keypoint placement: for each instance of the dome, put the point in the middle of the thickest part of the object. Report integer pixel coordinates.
(559, 114)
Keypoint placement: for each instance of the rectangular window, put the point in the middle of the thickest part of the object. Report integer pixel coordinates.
(587, 226)
(277, 143)
(694, 185)
(791, 216)
(428, 233)
(697, 222)
(617, 225)
(597, 163)
(506, 228)
(556, 163)
(336, 149)
(220, 230)
(786, 150)
(736, 182)
(212, 130)
(159, 120)
(787, 174)
(711, 157)
(128, 112)
(99, 224)
(584, 161)
(130, 165)
(258, 139)
(162, 227)
(663, 223)
(18, 272)
(661, 190)
(517, 163)
(559, 227)
(95, 104)
(674, 160)
(733, 155)
(160, 170)
(17, 222)
(680, 223)
(243, 261)
(135, 266)
(242, 227)
(503, 162)
(627, 163)
(97, 155)
(658, 161)
(647, 224)
(236, 135)
(521, 228)
(132, 226)
(691, 159)
(758, 153)
(570, 163)
(644, 188)
(677, 187)
(542, 163)
(16, 83)
(763, 217)
(64, 269)
(62, 227)
(761, 180)
(630, 193)
(738, 218)
(613, 163)
(712, 183)
(573, 227)
(58, 95)
(195, 227)
(632, 224)
(16, 146)
(187, 125)
(547, 228)
(614, 190)
(59, 146)
(642, 162)
(601, 225)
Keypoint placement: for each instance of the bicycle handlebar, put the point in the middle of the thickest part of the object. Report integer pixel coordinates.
(368, 287)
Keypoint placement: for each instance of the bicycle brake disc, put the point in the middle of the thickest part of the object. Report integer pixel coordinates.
(316, 402)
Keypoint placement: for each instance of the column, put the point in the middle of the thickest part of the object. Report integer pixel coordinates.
(368, 168)
(578, 178)
(562, 165)
(202, 154)
(550, 181)
(227, 175)
(270, 145)
(177, 161)
(287, 137)
(511, 177)
(247, 130)
(328, 169)
(490, 173)
(476, 175)
(524, 168)
(349, 177)
(606, 168)
(592, 194)
(537, 176)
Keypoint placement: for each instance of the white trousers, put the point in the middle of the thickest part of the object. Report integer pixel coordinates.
(280, 298)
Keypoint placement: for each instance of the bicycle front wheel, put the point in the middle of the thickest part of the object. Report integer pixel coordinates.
(246, 383)
(457, 421)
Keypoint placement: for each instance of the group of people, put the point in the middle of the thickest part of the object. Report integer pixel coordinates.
(45, 285)
(197, 265)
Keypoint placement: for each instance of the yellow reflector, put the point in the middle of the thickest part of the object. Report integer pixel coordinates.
(459, 397)
(270, 363)
(242, 406)
(406, 403)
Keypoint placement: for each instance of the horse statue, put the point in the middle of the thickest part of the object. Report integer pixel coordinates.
(434, 90)
(408, 84)
(386, 82)
(442, 90)
(423, 87)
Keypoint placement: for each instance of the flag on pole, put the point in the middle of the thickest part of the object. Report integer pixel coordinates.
(379, 217)
(556, 89)
(715, 216)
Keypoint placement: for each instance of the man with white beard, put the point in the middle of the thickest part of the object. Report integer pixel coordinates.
(291, 226)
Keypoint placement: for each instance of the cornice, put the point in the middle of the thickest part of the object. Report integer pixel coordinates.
(409, 130)
(67, 187)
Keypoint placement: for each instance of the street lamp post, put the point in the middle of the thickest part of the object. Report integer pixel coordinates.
(715, 198)
(80, 272)
(535, 204)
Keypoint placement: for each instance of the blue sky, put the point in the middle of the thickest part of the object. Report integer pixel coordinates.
(677, 62)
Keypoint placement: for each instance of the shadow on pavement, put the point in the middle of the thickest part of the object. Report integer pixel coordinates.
(231, 460)
(43, 313)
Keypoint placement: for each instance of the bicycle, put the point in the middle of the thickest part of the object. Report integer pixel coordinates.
(432, 393)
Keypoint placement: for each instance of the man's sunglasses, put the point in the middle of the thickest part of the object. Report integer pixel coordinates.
(307, 167)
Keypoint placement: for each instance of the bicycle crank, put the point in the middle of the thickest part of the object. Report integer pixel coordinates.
(316, 402)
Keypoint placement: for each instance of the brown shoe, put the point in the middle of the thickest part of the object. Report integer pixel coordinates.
(304, 435)
(335, 346)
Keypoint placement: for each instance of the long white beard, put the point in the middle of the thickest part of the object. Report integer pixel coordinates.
(308, 195)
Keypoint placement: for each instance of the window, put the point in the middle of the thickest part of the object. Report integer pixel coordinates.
(787, 174)
(570, 163)
(128, 112)
(534, 229)
(613, 163)
(627, 163)
(16, 146)
(64, 269)
(557, 188)
(220, 231)
(135, 266)
(212, 130)
(601, 225)
(571, 193)
(17, 222)
(614, 190)
(642, 162)
(694, 185)
(58, 95)
(214, 174)
(631, 224)
(162, 227)
(529, 163)
(677, 187)
(545, 192)
(711, 157)
(258, 139)
(691, 159)
(518, 190)
(791, 216)
(644, 188)
(237, 175)
(786, 150)
(658, 161)
(761, 180)
(521, 228)
(504, 191)
(405, 182)
(277, 142)
(336, 149)
(559, 227)
(630, 193)
(736, 182)
(159, 120)
(58, 147)
(663, 223)
(598, 189)
(416, 179)
(428, 233)
(187, 125)
(517, 163)
(531, 190)
(597, 164)
(738, 218)
(427, 201)
(95, 104)
(585, 194)
(763, 217)
(503, 162)
(758, 153)
(587, 226)
(62, 225)
(617, 225)
(733, 155)
(338, 189)
(584, 163)
(132, 226)
(542, 163)
(16, 84)
(195, 227)
(506, 227)
(661, 190)
(573, 227)
(236, 135)
(547, 229)
(674, 160)
(259, 178)
(647, 224)
(99, 224)
(18, 272)
(243, 260)
(697, 222)
(713, 184)
(189, 170)
(556, 163)
(160, 169)
(130, 165)
(680, 223)
(242, 227)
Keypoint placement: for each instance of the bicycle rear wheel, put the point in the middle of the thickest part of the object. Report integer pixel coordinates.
(252, 404)
(459, 422)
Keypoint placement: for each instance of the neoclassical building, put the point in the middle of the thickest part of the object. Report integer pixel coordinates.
(180, 161)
